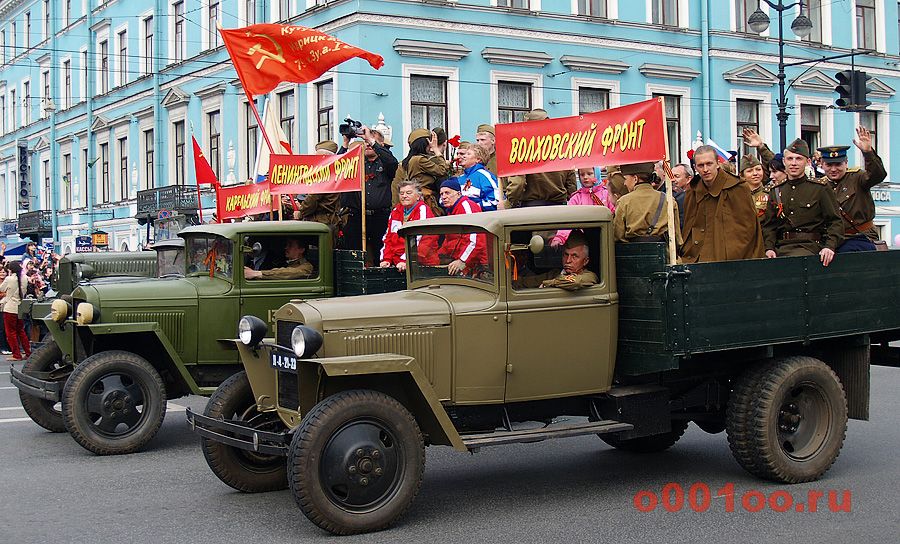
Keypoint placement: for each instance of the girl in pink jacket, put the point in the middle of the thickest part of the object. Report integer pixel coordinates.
(591, 193)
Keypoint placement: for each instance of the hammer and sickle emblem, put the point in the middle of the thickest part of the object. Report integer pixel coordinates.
(264, 53)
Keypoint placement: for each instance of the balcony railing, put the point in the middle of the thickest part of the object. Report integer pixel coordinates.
(182, 198)
(36, 221)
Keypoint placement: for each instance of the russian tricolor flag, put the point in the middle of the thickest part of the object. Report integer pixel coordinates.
(724, 156)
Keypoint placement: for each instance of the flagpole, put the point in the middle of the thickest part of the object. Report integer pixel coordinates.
(197, 181)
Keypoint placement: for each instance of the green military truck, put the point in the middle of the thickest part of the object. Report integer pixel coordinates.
(120, 350)
(775, 352)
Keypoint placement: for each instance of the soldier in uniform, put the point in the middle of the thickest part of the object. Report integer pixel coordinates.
(484, 136)
(852, 188)
(321, 207)
(574, 274)
(803, 216)
(753, 175)
(297, 266)
(541, 189)
(720, 221)
(641, 215)
(423, 165)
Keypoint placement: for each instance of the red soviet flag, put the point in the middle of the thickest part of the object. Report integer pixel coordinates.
(266, 54)
(202, 168)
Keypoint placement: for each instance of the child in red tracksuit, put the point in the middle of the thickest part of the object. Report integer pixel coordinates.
(410, 208)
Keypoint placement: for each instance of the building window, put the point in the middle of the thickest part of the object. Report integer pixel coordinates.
(45, 92)
(252, 142)
(213, 33)
(286, 115)
(84, 77)
(664, 12)
(26, 103)
(811, 125)
(124, 182)
(591, 100)
(212, 125)
(513, 101)
(123, 57)
(672, 109)
(27, 42)
(2, 114)
(148, 159)
(148, 45)
(519, 4)
(813, 10)
(46, 196)
(325, 109)
(83, 186)
(13, 37)
(428, 102)
(12, 110)
(178, 30)
(865, 24)
(67, 181)
(67, 13)
(104, 67)
(249, 12)
(742, 11)
(594, 8)
(67, 84)
(747, 117)
(2, 47)
(869, 119)
(284, 9)
(104, 172)
(178, 127)
(46, 27)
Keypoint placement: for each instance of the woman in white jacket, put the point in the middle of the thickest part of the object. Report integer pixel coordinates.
(13, 288)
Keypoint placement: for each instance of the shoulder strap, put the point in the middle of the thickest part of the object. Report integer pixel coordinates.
(656, 216)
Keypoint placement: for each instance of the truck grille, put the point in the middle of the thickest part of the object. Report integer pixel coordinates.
(283, 330)
(288, 390)
(172, 324)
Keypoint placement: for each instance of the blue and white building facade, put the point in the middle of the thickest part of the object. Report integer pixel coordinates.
(99, 98)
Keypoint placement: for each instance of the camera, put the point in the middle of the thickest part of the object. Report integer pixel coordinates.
(350, 128)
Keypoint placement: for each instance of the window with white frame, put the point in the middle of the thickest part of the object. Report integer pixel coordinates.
(428, 102)
(105, 186)
(13, 39)
(672, 110)
(149, 148)
(593, 8)
(67, 84)
(251, 140)
(45, 197)
(811, 125)
(26, 103)
(519, 4)
(46, 21)
(865, 24)
(213, 38)
(869, 120)
(13, 107)
(45, 92)
(83, 83)
(514, 100)
(281, 9)
(2, 46)
(325, 109)
(213, 122)
(147, 60)
(83, 186)
(747, 117)
(103, 75)
(3, 113)
(67, 180)
(67, 12)
(248, 12)
(178, 139)
(178, 30)
(664, 12)
(813, 10)
(27, 40)
(286, 115)
(742, 11)
(124, 181)
(592, 99)
(123, 57)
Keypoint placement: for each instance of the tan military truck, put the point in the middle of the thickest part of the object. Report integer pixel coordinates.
(350, 391)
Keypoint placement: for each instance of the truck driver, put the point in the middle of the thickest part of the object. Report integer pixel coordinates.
(297, 266)
(574, 274)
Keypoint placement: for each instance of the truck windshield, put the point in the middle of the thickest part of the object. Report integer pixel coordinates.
(451, 252)
(208, 254)
(170, 262)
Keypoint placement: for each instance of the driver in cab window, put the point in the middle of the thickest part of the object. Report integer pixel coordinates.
(297, 266)
(574, 274)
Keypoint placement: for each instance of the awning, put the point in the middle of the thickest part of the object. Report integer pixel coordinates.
(16, 249)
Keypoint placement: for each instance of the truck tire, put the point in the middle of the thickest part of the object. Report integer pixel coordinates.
(356, 462)
(114, 403)
(243, 470)
(744, 393)
(648, 444)
(43, 412)
(795, 426)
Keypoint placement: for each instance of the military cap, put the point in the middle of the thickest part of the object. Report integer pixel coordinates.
(418, 133)
(536, 114)
(327, 145)
(576, 238)
(834, 153)
(749, 161)
(441, 135)
(485, 128)
(638, 168)
(799, 147)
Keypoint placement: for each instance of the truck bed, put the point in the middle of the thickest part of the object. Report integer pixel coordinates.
(667, 313)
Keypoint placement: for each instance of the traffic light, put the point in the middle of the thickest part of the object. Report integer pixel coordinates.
(844, 89)
(852, 89)
(24, 177)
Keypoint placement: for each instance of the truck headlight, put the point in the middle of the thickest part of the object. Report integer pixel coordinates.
(59, 310)
(305, 341)
(251, 330)
(85, 313)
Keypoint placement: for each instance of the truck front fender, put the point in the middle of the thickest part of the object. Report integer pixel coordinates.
(64, 336)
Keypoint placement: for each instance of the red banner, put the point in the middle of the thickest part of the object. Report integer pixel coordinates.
(242, 200)
(626, 135)
(266, 54)
(312, 174)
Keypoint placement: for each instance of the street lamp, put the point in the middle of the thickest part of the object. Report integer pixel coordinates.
(802, 26)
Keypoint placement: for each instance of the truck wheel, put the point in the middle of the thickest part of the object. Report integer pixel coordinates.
(648, 444)
(43, 412)
(744, 393)
(796, 424)
(243, 470)
(356, 462)
(114, 403)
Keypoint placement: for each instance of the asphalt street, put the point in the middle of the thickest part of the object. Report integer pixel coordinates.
(577, 489)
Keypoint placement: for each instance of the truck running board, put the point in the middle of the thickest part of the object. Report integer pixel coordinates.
(498, 438)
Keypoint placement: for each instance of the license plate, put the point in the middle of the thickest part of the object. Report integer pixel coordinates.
(283, 361)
